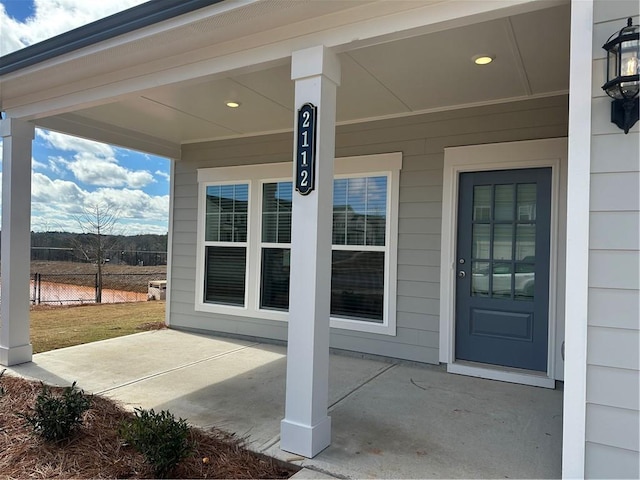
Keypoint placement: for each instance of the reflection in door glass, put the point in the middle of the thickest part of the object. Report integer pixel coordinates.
(501, 280)
(526, 242)
(526, 202)
(480, 279)
(481, 241)
(525, 281)
(482, 203)
(504, 203)
(502, 241)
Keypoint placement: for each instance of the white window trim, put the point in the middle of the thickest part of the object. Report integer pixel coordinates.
(388, 164)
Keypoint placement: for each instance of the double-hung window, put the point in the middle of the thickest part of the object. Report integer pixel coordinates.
(359, 247)
(275, 250)
(225, 244)
(245, 241)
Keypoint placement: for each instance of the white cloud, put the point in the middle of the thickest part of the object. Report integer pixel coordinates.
(164, 175)
(55, 204)
(94, 163)
(107, 173)
(53, 17)
(133, 204)
(57, 194)
(67, 143)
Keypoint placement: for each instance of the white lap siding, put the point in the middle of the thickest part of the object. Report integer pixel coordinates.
(422, 140)
(613, 338)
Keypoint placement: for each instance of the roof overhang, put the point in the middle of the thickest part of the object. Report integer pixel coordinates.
(163, 84)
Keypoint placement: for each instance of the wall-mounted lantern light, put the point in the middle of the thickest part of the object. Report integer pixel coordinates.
(623, 75)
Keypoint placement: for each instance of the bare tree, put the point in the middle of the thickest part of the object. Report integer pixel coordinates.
(97, 222)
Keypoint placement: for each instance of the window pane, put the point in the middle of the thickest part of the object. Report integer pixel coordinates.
(525, 281)
(276, 212)
(274, 293)
(360, 211)
(269, 227)
(527, 202)
(502, 274)
(502, 241)
(212, 227)
(357, 285)
(340, 209)
(284, 228)
(480, 279)
(225, 275)
(376, 211)
(504, 202)
(481, 241)
(482, 203)
(240, 227)
(226, 213)
(526, 242)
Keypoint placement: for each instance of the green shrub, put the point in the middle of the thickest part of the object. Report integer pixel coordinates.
(161, 438)
(2, 391)
(56, 417)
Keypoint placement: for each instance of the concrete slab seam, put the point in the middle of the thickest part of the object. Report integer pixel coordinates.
(268, 444)
(322, 471)
(358, 387)
(180, 367)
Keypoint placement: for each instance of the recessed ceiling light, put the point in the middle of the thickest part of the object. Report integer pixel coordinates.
(233, 104)
(483, 59)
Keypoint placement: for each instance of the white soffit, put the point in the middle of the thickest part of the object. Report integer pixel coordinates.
(417, 74)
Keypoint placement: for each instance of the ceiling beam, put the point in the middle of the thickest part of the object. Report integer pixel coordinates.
(93, 130)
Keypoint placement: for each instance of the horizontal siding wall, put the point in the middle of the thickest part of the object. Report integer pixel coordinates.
(613, 339)
(422, 140)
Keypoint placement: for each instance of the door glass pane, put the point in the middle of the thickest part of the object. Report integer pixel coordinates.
(527, 202)
(502, 241)
(482, 203)
(481, 241)
(501, 285)
(525, 281)
(504, 203)
(526, 242)
(480, 279)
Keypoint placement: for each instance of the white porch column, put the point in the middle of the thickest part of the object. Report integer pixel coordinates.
(15, 346)
(306, 428)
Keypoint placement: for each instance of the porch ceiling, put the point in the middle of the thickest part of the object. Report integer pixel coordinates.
(410, 75)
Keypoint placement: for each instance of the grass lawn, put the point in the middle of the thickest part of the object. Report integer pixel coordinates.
(58, 327)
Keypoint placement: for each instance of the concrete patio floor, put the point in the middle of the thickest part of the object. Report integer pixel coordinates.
(389, 420)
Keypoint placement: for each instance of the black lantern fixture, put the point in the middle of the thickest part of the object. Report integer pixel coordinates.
(623, 75)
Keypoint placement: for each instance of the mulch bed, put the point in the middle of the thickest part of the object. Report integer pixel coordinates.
(96, 450)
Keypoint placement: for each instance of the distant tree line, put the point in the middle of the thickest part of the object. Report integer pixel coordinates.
(145, 249)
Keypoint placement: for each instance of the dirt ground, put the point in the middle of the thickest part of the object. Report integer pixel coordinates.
(118, 277)
(85, 268)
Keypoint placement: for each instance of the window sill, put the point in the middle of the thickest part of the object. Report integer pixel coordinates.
(337, 323)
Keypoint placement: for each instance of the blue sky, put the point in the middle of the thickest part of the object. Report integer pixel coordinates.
(70, 173)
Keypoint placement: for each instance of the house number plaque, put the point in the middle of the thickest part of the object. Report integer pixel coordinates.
(306, 149)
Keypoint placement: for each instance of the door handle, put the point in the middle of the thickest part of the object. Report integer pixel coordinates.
(461, 274)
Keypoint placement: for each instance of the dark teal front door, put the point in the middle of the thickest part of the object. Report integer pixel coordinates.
(502, 268)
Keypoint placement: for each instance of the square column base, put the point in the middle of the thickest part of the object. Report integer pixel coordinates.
(10, 356)
(305, 440)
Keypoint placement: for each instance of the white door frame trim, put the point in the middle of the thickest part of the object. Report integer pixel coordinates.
(501, 156)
